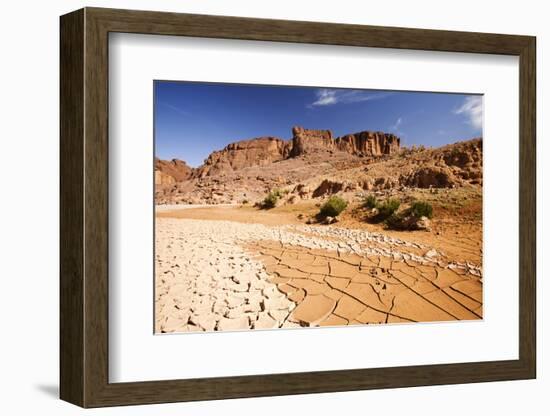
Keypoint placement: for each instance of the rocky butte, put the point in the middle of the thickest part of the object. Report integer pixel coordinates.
(364, 143)
(266, 150)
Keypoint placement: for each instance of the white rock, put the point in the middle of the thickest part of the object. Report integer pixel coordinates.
(431, 253)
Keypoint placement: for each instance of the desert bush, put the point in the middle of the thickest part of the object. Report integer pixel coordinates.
(387, 208)
(412, 218)
(394, 222)
(270, 201)
(333, 207)
(280, 192)
(421, 209)
(244, 202)
(405, 221)
(370, 202)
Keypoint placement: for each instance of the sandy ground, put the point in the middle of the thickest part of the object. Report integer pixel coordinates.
(234, 268)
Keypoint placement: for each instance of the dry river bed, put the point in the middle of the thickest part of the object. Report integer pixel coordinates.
(216, 275)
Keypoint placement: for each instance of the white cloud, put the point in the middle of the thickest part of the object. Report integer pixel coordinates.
(327, 96)
(473, 109)
(176, 109)
(395, 126)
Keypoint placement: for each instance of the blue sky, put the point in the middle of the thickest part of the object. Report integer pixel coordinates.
(194, 119)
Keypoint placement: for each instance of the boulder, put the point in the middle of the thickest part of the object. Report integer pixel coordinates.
(430, 176)
(409, 223)
(292, 199)
(328, 187)
(423, 223)
(432, 253)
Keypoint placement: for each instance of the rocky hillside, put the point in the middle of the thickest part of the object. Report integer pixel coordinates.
(313, 164)
(262, 151)
(236, 156)
(170, 172)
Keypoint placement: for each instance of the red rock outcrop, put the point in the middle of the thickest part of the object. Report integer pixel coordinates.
(447, 167)
(430, 177)
(364, 143)
(467, 158)
(171, 171)
(243, 154)
(368, 143)
(263, 151)
(306, 141)
(323, 173)
(163, 179)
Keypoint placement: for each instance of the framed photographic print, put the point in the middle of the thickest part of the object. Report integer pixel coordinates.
(256, 207)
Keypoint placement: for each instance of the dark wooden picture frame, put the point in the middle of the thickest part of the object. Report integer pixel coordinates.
(84, 207)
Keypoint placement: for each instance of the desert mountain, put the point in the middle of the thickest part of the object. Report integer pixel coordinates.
(262, 151)
(314, 164)
(170, 172)
(243, 154)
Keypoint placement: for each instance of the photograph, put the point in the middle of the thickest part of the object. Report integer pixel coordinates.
(279, 206)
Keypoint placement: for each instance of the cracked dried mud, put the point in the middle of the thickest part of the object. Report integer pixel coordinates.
(238, 268)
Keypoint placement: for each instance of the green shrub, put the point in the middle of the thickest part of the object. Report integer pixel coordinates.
(370, 202)
(334, 206)
(422, 209)
(394, 222)
(270, 201)
(387, 208)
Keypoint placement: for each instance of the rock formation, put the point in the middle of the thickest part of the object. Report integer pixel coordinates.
(430, 177)
(162, 178)
(314, 164)
(450, 166)
(171, 171)
(367, 143)
(262, 151)
(235, 156)
(364, 143)
(306, 141)
(323, 170)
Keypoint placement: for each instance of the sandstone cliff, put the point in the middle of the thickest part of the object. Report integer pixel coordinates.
(263, 151)
(242, 154)
(364, 143)
(367, 143)
(306, 141)
(171, 171)
(319, 171)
